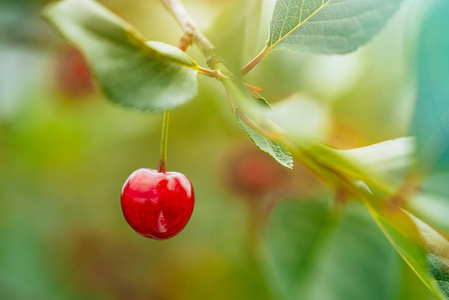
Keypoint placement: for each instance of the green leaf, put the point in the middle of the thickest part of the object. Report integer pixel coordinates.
(393, 156)
(314, 253)
(432, 208)
(300, 124)
(327, 26)
(144, 75)
(296, 117)
(343, 163)
(430, 123)
(279, 153)
(431, 202)
(387, 162)
(439, 268)
(418, 244)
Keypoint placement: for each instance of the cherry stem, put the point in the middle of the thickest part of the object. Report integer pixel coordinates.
(163, 157)
(255, 61)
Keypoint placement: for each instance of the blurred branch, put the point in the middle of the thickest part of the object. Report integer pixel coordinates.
(179, 12)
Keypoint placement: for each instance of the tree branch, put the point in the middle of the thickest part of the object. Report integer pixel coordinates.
(179, 12)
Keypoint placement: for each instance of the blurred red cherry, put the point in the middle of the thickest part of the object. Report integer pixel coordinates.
(72, 73)
(250, 172)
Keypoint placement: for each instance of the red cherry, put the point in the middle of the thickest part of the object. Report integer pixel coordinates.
(157, 205)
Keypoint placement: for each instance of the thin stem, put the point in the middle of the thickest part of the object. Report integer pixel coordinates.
(254, 62)
(231, 103)
(253, 88)
(207, 72)
(163, 157)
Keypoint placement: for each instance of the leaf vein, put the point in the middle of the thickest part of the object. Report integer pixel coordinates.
(300, 24)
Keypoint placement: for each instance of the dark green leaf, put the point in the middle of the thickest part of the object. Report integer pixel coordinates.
(264, 101)
(439, 268)
(279, 153)
(130, 71)
(327, 26)
(315, 254)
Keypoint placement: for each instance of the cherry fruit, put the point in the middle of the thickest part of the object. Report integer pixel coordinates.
(157, 205)
(72, 74)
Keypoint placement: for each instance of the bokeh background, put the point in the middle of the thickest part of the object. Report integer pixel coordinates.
(65, 153)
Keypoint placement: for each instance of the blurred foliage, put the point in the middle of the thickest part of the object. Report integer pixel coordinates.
(430, 122)
(65, 154)
(313, 247)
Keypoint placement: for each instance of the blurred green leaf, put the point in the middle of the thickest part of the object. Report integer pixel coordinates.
(417, 243)
(431, 119)
(430, 125)
(386, 162)
(338, 162)
(431, 202)
(300, 124)
(296, 118)
(432, 208)
(271, 128)
(318, 253)
(279, 153)
(303, 119)
(393, 156)
(143, 75)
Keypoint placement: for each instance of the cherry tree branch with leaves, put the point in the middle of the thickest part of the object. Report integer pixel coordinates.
(154, 76)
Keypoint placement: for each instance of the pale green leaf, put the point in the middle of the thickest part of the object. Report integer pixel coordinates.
(314, 253)
(432, 208)
(431, 203)
(279, 153)
(130, 71)
(386, 162)
(393, 156)
(340, 162)
(327, 26)
(303, 119)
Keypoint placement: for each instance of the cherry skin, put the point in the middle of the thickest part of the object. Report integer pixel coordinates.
(157, 205)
